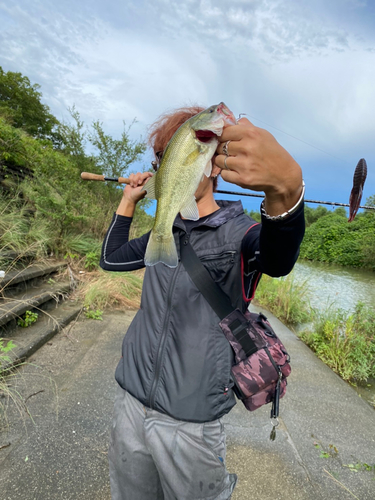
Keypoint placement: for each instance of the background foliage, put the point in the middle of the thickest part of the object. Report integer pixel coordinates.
(53, 210)
(330, 238)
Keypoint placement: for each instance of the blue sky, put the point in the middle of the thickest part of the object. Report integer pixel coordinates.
(304, 70)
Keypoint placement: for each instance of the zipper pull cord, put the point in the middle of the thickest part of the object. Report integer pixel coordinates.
(275, 408)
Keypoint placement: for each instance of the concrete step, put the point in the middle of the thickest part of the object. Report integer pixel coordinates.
(11, 308)
(22, 278)
(15, 258)
(29, 340)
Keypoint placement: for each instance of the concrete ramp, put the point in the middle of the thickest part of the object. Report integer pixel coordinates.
(61, 452)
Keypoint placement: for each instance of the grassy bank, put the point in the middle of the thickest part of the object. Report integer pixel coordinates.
(344, 341)
(286, 299)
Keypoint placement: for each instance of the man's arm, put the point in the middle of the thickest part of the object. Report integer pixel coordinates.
(272, 247)
(118, 253)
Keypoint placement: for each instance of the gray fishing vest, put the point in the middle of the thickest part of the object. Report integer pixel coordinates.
(176, 359)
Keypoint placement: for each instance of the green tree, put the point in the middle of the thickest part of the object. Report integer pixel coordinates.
(341, 211)
(370, 202)
(20, 103)
(313, 214)
(114, 155)
(253, 214)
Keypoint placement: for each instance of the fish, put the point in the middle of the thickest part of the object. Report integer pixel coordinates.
(360, 174)
(185, 161)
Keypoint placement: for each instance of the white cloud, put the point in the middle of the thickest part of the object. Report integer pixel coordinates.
(288, 63)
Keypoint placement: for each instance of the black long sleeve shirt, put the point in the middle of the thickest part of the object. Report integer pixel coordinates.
(271, 247)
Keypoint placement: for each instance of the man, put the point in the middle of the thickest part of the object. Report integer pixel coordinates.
(174, 378)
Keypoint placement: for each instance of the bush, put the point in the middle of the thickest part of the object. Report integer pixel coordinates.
(345, 342)
(331, 239)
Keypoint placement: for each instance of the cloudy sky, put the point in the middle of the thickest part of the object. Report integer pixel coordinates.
(302, 69)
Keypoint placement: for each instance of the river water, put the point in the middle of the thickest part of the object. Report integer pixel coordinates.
(340, 288)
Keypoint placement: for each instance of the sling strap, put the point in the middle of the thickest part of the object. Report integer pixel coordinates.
(214, 295)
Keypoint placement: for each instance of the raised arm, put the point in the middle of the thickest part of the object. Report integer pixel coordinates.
(118, 253)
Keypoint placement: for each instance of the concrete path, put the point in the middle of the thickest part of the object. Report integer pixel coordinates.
(61, 453)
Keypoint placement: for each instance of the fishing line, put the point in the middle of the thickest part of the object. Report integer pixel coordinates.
(297, 139)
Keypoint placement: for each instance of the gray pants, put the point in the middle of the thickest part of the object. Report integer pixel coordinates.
(155, 457)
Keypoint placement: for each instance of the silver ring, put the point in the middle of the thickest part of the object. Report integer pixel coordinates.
(225, 148)
(225, 163)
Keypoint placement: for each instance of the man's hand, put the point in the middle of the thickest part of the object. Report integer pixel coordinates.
(257, 161)
(133, 193)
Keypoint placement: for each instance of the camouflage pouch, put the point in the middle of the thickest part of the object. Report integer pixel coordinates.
(261, 360)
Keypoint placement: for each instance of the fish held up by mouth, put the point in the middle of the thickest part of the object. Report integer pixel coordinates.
(359, 178)
(186, 159)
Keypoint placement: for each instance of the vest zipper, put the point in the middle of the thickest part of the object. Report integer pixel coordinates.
(222, 255)
(163, 340)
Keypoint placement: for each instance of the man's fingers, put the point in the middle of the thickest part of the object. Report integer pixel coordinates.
(224, 162)
(139, 179)
(228, 148)
(235, 132)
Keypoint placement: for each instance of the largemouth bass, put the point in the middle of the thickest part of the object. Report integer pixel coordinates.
(185, 160)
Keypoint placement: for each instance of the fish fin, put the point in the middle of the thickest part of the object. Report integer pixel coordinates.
(190, 210)
(163, 250)
(208, 169)
(149, 187)
(192, 157)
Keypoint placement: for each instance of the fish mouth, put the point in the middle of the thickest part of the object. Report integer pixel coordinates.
(227, 114)
(204, 135)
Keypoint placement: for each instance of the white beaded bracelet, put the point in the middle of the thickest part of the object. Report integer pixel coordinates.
(285, 214)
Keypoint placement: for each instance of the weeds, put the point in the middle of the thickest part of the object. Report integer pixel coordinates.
(330, 452)
(21, 233)
(285, 298)
(27, 319)
(113, 290)
(92, 261)
(360, 466)
(98, 314)
(6, 392)
(345, 342)
(4, 350)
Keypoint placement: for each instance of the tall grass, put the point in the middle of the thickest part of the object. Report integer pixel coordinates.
(345, 341)
(20, 232)
(112, 290)
(7, 390)
(285, 298)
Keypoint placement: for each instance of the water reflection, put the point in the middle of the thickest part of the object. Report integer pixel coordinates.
(340, 287)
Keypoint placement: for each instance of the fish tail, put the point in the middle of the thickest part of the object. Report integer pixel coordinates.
(161, 249)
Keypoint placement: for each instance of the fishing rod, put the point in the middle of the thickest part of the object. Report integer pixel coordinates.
(306, 201)
(86, 176)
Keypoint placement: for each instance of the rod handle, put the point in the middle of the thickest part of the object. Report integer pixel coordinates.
(87, 176)
(123, 180)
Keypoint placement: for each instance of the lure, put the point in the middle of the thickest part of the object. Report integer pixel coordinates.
(360, 174)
